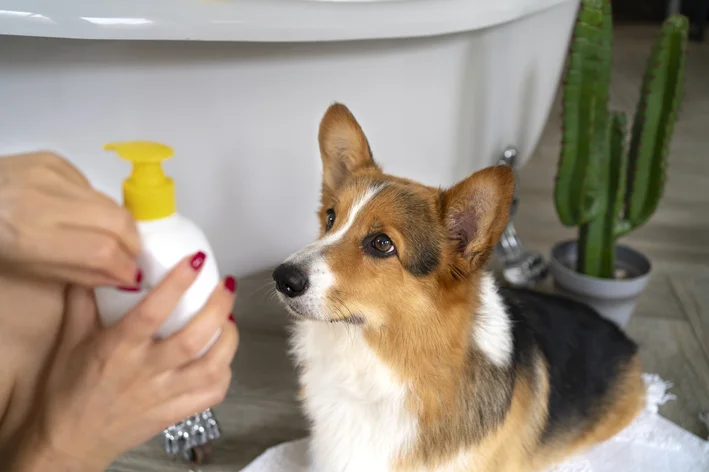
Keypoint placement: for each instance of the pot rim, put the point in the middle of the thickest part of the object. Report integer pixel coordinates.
(564, 269)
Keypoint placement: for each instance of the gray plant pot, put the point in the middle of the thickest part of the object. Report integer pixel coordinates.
(614, 299)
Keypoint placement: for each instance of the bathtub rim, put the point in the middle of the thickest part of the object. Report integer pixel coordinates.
(254, 20)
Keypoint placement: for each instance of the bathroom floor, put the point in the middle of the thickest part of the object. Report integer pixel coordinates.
(671, 323)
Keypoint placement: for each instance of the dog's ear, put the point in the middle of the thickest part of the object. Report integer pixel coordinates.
(476, 211)
(343, 146)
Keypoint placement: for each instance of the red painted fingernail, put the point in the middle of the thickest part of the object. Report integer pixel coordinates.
(231, 318)
(198, 260)
(230, 284)
(138, 279)
(129, 289)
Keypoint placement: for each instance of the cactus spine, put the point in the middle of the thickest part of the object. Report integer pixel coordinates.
(604, 190)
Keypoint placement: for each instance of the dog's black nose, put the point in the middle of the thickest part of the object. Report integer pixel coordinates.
(290, 280)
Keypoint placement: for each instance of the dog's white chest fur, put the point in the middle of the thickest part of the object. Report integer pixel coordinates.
(356, 407)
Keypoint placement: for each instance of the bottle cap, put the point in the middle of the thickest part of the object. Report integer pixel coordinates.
(148, 193)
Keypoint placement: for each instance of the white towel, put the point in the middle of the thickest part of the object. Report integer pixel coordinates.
(650, 444)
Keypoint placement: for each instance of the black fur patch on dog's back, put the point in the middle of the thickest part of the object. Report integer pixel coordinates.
(585, 354)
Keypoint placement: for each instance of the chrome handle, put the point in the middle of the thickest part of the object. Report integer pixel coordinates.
(193, 432)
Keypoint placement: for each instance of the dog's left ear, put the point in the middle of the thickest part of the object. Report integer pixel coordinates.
(344, 148)
(476, 211)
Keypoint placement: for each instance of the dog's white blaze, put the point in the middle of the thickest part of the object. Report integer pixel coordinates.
(310, 258)
(315, 248)
(355, 404)
(493, 330)
(332, 238)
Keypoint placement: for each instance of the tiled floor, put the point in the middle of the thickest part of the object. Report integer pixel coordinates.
(671, 323)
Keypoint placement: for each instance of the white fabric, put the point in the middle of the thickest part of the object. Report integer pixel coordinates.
(650, 444)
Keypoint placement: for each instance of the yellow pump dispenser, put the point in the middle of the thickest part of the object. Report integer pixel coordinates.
(148, 193)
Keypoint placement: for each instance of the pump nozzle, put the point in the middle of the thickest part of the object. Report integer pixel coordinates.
(148, 193)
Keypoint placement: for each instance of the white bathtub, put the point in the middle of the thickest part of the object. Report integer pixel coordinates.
(441, 87)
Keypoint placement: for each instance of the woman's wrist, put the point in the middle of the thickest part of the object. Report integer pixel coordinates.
(35, 453)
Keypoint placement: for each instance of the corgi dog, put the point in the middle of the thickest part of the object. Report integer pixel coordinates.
(410, 358)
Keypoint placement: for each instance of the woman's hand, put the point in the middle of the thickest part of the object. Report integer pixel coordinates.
(53, 224)
(111, 389)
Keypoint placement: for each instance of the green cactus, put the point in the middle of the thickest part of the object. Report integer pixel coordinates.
(604, 190)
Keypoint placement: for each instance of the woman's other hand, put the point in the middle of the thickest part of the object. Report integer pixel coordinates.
(53, 224)
(111, 389)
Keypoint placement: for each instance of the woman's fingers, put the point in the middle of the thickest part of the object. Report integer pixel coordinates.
(188, 342)
(62, 273)
(74, 204)
(89, 252)
(56, 217)
(198, 385)
(183, 406)
(206, 371)
(145, 319)
(98, 213)
(61, 166)
(82, 206)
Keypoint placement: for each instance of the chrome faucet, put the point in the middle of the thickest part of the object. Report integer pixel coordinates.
(192, 437)
(520, 267)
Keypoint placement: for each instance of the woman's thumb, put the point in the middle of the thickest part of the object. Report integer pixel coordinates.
(80, 318)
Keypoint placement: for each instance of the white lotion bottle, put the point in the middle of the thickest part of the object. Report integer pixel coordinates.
(166, 238)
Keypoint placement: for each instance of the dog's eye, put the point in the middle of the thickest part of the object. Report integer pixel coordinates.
(329, 219)
(383, 244)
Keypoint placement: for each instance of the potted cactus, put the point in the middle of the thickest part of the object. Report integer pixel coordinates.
(603, 187)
